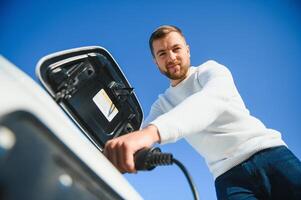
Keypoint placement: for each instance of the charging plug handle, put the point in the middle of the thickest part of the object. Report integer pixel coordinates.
(147, 159)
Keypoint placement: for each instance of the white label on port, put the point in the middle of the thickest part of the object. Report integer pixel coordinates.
(105, 105)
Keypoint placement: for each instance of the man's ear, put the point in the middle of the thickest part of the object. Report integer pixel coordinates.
(188, 50)
(155, 61)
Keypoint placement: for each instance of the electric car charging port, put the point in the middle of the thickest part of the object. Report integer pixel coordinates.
(90, 87)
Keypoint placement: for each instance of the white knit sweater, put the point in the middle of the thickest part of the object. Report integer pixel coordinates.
(207, 110)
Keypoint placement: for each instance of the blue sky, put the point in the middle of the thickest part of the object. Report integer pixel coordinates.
(259, 41)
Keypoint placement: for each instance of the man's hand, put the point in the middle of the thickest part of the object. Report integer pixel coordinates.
(120, 151)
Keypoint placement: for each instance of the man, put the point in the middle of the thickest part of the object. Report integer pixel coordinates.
(203, 106)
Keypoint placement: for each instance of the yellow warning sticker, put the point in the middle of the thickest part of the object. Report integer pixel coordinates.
(105, 105)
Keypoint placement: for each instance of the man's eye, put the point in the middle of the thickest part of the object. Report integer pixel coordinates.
(177, 49)
(161, 54)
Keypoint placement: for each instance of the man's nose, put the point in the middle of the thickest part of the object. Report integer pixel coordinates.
(171, 56)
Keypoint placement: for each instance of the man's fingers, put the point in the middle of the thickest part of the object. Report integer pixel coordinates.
(120, 156)
(114, 158)
(109, 152)
(129, 159)
(106, 151)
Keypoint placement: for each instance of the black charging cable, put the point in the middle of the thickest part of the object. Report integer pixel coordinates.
(148, 159)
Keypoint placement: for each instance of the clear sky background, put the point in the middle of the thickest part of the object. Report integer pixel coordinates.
(259, 41)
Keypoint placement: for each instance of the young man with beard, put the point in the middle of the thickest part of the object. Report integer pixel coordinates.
(203, 106)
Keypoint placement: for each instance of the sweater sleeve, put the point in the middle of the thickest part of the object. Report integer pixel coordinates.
(200, 109)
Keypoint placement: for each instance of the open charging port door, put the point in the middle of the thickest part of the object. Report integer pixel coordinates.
(91, 88)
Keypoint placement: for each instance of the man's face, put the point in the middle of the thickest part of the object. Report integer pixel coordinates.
(172, 56)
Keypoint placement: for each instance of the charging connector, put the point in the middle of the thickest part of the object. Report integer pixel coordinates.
(148, 159)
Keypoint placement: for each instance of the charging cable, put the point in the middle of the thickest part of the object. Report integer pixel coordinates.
(148, 159)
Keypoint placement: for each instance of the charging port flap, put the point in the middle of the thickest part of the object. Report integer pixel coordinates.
(90, 87)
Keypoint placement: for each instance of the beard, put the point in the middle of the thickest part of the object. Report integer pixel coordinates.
(176, 74)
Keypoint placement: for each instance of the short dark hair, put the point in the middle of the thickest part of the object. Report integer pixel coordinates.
(161, 32)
